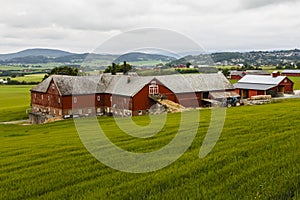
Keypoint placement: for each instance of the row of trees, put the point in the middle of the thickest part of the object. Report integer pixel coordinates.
(116, 68)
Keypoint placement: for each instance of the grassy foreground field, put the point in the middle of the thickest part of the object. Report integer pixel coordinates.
(256, 157)
(14, 100)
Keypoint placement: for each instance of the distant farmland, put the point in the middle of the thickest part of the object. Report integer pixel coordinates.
(257, 157)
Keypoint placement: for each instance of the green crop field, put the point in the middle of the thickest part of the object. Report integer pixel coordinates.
(30, 78)
(14, 100)
(256, 157)
(296, 81)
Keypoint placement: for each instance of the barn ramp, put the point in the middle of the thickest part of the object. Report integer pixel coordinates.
(171, 106)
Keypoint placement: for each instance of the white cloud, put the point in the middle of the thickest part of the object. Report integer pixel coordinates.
(82, 25)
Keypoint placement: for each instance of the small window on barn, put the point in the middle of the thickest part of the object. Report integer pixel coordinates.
(75, 100)
(80, 111)
(53, 86)
(35, 96)
(48, 98)
(89, 111)
(140, 112)
(111, 99)
(98, 98)
(124, 100)
(58, 100)
(153, 82)
(42, 97)
(285, 80)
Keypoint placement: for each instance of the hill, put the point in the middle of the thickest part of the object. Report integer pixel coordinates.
(38, 56)
(48, 53)
(136, 57)
(257, 58)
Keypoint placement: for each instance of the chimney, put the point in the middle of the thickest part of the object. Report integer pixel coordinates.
(275, 74)
(125, 70)
(114, 69)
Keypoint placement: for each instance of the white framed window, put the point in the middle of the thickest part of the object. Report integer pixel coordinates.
(48, 98)
(42, 97)
(98, 98)
(98, 110)
(80, 111)
(111, 99)
(58, 100)
(75, 99)
(89, 111)
(53, 86)
(35, 95)
(124, 100)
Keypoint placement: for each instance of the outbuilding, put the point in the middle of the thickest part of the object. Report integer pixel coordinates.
(253, 85)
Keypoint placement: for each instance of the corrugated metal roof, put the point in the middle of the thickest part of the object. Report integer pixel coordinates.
(257, 72)
(259, 79)
(127, 85)
(291, 71)
(195, 82)
(253, 86)
(130, 85)
(237, 73)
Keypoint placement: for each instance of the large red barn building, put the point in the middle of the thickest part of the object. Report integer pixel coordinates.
(65, 96)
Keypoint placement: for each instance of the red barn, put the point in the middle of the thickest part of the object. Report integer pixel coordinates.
(68, 96)
(291, 72)
(253, 85)
(237, 75)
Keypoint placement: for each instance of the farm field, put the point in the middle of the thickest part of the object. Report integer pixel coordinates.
(296, 81)
(30, 78)
(256, 157)
(14, 100)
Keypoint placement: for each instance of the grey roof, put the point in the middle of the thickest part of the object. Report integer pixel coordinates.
(257, 72)
(259, 79)
(127, 85)
(195, 82)
(240, 73)
(291, 71)
(130, 85)
(253, 86)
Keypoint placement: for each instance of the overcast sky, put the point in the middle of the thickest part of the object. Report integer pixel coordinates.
(82, 25)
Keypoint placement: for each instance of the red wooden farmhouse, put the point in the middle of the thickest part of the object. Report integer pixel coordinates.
(66, 96)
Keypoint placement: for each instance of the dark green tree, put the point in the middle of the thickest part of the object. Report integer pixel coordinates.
(65, 70)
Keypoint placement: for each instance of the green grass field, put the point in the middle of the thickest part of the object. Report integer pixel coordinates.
(296, 81)
(14, 100)
(30, 78)
(256, 157)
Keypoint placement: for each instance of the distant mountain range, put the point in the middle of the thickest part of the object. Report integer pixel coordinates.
(49, 53)
(40, 56)
(36, 56)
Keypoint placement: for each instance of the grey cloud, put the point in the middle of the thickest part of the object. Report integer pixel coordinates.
(252, 4)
